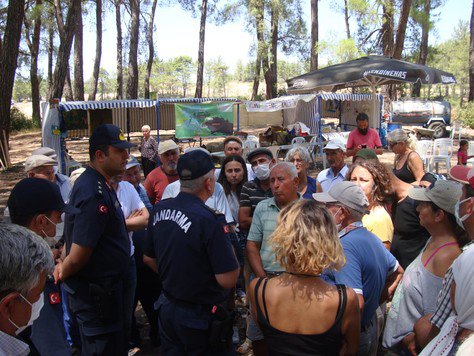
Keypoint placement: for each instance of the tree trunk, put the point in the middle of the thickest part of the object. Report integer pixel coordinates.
(346, 19)
(401, 29)
(98, 49)
(118, 23)
(151, 51)
(314, 36)
(78, 60)
(68, 94)
(61, 69)
(271, 73)
(33, 42)
(262, 46)
(202, 37)
(256, 78)
(50, 56)
(425, 30)
(132, 83)
(9, 48)
(387, 29)
(471, 57)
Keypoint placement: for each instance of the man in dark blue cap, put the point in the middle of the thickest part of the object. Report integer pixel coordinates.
(188, 246)
(37, 204)
(98, 248)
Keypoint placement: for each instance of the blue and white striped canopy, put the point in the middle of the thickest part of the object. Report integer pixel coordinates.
(106, 104)
(346, 97)
(133, 103)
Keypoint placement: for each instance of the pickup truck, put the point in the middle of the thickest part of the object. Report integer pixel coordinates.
(434, 115)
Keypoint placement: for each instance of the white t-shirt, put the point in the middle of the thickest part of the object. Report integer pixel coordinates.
(130, 201)
(217, 201)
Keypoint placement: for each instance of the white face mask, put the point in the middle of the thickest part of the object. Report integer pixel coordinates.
(35, 313)
(262, 171)
(338, 226)
(460, 219)
(53, 240)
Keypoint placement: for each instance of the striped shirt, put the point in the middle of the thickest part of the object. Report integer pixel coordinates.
(443, 305)
(252, 194)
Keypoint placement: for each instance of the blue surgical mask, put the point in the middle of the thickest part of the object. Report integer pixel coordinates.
(460, 219)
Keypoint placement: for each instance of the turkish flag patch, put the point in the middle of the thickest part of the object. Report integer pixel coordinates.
(226, 229)
(54, 298)
(103, 209)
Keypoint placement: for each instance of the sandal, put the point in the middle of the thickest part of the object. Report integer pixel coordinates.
(245, 348)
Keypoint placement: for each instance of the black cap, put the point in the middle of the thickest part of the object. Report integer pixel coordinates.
(32, 196)
(108, 135)
(259, 151)
(194, 164)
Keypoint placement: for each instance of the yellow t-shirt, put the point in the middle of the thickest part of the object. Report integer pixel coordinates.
(379, 223)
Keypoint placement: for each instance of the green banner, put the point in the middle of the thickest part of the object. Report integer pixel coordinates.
(204, 120)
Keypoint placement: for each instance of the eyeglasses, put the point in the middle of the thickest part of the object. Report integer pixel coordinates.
(391, 144)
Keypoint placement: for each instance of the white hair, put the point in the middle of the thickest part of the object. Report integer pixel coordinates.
(298, 150)
(146, 128)
(23, 256)
(288, 167)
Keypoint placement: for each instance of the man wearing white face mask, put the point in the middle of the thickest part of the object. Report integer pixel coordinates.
(25, 261)
(36, 204)
(429, 326)
(254, 191)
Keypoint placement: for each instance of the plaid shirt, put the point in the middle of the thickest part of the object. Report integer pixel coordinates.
(10, 345)
(443, 305)
(144, 197)
(149, 149)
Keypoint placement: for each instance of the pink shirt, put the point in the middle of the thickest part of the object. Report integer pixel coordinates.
(371, 139)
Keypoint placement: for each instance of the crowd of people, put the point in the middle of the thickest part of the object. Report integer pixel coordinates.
(361, 260)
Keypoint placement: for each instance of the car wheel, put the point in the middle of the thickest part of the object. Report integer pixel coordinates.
(439, 129)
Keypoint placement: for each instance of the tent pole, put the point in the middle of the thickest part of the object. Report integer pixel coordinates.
(238, 116)
(157, 115)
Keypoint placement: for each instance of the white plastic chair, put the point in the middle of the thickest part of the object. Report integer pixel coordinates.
(313, 143)
(425, 149)
(252, 138)
(298, 141)
(251, 144)
(442, 153)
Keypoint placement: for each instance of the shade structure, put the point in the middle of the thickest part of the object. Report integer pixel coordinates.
(367, 71)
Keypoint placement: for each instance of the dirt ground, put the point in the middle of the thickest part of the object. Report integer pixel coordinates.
(22, 144)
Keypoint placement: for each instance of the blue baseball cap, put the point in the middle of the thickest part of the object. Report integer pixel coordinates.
(32, 196)
(194, 164)
(109, 135)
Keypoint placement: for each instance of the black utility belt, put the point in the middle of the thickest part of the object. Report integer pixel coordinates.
(188, 304)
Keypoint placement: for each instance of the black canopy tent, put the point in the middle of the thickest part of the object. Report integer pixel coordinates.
(368, 71)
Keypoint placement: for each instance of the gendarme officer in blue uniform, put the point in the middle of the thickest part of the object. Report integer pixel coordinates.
(196, 264)
(98, 248)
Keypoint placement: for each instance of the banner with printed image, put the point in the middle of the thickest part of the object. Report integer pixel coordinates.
(204, 120)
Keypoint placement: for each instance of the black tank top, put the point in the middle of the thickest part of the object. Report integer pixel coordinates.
(404, 173)
(281, 343)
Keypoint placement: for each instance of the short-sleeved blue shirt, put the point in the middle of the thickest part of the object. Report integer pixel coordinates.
(191, 246)
(367, 267)
(100, 225)
(310, 188)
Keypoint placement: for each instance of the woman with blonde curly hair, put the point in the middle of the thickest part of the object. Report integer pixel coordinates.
(374, 179)
(298, 312)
